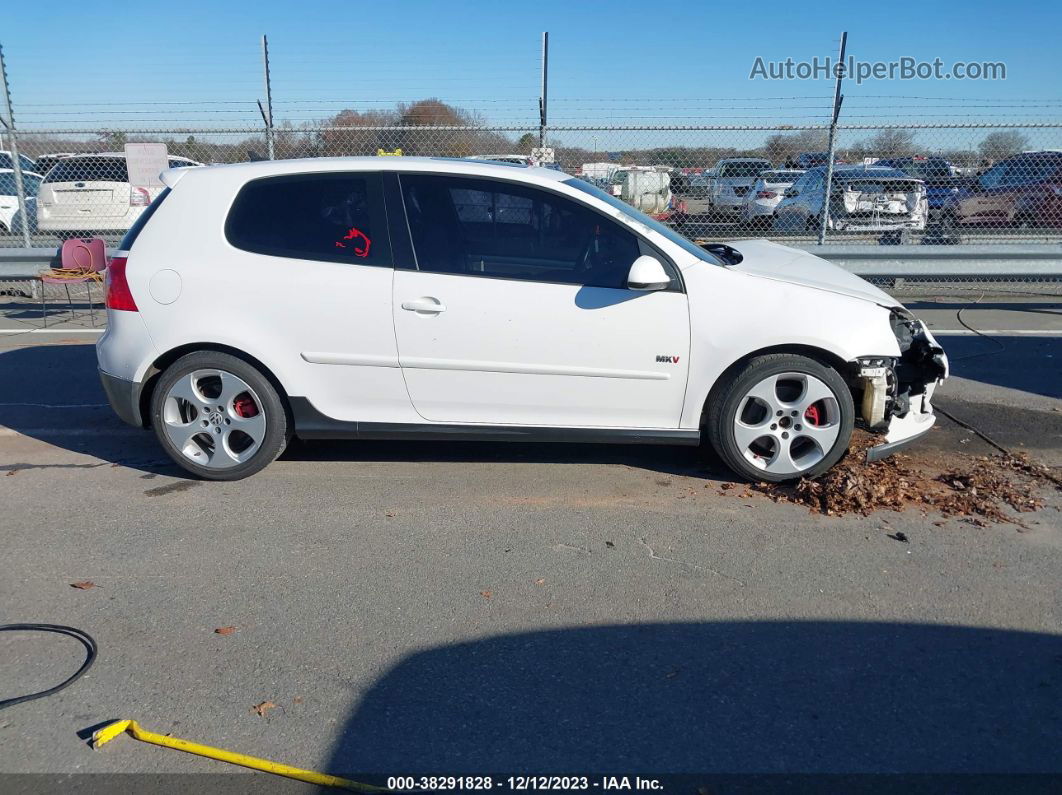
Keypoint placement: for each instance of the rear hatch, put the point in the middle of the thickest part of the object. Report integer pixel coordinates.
(93, 187)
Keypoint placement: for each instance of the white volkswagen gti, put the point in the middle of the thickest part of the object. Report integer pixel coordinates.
(397, 298)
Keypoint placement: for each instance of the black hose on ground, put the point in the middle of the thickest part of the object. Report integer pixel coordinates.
(90, 657)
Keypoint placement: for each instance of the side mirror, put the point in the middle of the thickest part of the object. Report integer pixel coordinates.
(647, 274)
(790, 192)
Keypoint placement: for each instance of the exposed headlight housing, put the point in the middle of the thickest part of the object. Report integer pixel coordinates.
(904, 327)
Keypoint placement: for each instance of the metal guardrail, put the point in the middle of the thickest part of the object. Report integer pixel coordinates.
(947, 263)
(26, 263)
(940, 263)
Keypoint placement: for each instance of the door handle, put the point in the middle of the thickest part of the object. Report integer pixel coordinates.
(426, 305)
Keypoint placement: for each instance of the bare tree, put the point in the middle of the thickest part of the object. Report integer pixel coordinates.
(781, 148)
(1002, 143)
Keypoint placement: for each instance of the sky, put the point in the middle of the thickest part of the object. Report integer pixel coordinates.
(195, 64)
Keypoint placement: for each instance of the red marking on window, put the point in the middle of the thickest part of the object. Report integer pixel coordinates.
(355, 234)
(675, 359)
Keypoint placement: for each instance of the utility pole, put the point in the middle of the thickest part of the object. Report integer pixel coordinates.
(545, 87)
(267, 112)
(838, 98)
(9, 123)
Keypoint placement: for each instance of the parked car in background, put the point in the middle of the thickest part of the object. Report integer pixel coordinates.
(429, 314)
(516, 160)
(863, 199)
(7, 161)
(692, 200)
(644, 188)
(10, 217)
(936, 172)
(806, 160)
(766, 194)
(734, 177)
(1022, 191)
(91, 193)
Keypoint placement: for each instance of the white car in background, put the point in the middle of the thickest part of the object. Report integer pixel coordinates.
(766, 194)
(10, 222)
(91, 193)
(731, 182)
(7, 161)
(425, 311)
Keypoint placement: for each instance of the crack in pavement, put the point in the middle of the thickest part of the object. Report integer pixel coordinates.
(654, 556)
(570, 548)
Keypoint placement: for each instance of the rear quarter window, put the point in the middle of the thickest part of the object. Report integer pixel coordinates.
(335, 217)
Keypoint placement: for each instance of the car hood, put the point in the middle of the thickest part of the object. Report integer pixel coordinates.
(768, 260)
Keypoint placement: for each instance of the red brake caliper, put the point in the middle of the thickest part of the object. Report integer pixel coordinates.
(812, 415)
(246, 407)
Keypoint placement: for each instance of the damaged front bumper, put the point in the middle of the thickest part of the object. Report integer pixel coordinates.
(898, 392)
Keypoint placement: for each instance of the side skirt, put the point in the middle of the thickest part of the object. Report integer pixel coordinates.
(312, 424)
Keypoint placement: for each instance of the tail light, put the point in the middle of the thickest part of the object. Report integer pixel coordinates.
(139, 197)
(118, 294)
(766, 194)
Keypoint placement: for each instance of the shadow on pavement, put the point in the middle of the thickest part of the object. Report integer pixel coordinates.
(770, 696)
(1027, 363)
(52, 393)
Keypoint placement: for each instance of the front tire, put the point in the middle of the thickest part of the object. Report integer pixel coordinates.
(781, 417)
(218, 417)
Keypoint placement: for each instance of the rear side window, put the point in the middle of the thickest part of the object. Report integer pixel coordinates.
(141, 221)
(337, 217)
(89, 169)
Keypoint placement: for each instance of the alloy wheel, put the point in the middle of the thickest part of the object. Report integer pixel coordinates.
(787, 423)
(214, 418)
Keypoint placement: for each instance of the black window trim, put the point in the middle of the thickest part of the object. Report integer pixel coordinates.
(368, 174)
(678, 284)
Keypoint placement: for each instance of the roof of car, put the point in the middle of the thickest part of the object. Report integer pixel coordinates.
(442, 165)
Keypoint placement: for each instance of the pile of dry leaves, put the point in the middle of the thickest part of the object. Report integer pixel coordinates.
(979, 490)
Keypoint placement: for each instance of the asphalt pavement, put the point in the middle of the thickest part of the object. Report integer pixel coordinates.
(404, 607)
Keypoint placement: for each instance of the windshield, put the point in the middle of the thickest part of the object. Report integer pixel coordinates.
(684, 243)
(750, 168)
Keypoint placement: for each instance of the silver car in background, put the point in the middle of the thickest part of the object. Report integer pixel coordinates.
(766, 194)
(863, 199)
(734, 178)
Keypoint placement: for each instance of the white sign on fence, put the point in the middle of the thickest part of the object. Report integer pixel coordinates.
(145, 162)
(542, 154)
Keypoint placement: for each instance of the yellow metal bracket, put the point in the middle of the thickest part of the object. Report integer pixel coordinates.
(112, 730)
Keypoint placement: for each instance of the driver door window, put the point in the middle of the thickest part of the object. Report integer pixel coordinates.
(478, 227)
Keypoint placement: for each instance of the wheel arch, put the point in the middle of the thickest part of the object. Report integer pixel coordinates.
(821, 355)
(160, 364)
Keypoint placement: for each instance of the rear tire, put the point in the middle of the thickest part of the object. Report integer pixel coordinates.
(218, 417)
(781, 417)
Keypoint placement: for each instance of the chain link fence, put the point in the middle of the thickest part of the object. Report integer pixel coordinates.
(910, 184)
